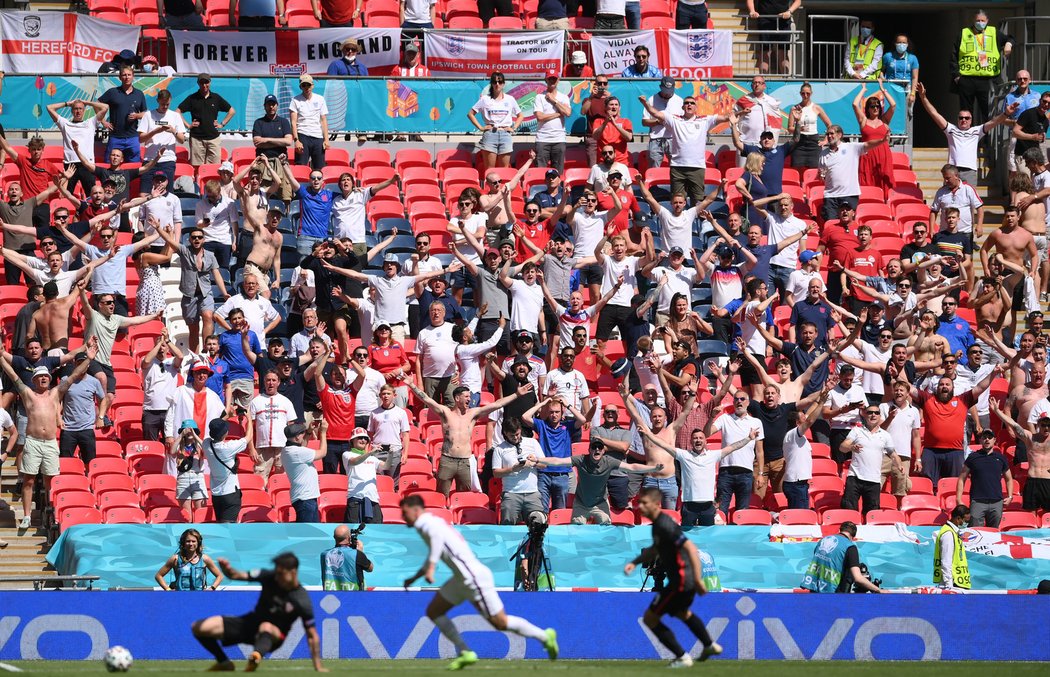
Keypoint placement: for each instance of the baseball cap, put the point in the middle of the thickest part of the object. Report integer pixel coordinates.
(218, 428)
(766, 135)
(359, 432)
(677, 250)
(127, 55)
(412, 46)
(506, 241)
(579, 58)
(614, 175)
(150, 59)
(724, 250)
(392, 258)
(667, 83)
(286, 359)
(159, 175)
(41, 371)
(551, 173)
(808, 255)
(204, 77)
(200, 366)
(350, 42)
(553, 73)
(491, 251)
(80, 357)
(306, 78)
(294, 430)
(226, 166)
(989, 433)
(270, 99)
(522, 334)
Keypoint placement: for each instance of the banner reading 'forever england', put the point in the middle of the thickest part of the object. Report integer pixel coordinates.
(60, 42)
(470, 55)
(283, 53)
(692, 55)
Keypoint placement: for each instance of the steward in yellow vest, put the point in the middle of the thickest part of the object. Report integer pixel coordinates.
(950, 569)
(864, 60)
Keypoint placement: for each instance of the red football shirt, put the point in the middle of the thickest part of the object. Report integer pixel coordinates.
(628, 207)
(867, 263)
(338, 409)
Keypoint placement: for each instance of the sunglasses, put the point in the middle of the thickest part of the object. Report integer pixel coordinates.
(196, 237)
(532, 211)
(106, 303)
(965, 117)
(740, 399)
(49, 243)
(494, 182)
(61, 217)
(601, 84)
(949, 362)
(689, 103)
(874, 412)
(317, 178)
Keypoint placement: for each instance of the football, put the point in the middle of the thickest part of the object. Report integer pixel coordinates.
(118, 659)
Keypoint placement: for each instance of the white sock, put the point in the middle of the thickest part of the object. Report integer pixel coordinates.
(448, 629)
(520, 626)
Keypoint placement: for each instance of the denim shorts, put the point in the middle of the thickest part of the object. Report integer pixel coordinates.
(496, 141)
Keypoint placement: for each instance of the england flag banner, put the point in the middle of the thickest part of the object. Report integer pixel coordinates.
(520, 54)
(60, 42)
(613, 53)
(700, 55)
(287, 53)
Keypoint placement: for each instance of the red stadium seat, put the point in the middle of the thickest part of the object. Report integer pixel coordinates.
(259, 498)
(155, 481)
(560, 516)
(124, 515)
(167, 515)
(1013, 520)
(72, 499)
(474, 515)
(71, 466)
(256, 515)
(748, 516)
(836, 516)
(926, 518)
(885, 517)
(63, 483)
(332, 506)
(100, 484)
(77, 515)
(920, 502)
(798, 516)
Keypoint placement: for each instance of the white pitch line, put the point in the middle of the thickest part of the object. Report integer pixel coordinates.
(9, 668)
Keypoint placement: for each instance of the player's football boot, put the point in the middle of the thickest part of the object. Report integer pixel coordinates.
(711, 650)
(253, 662)
(683, 661)
(463, 660)
(551, 643)
(225, 666)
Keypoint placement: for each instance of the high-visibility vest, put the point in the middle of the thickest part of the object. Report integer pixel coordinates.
(960, 569)
(979, 53)
(860, 52)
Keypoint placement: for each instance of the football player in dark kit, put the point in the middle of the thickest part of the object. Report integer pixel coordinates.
(679, 561)
(282, 600)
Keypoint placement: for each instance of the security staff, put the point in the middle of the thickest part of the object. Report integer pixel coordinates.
(343, 567)
(976, 60)
(950, 569)
(836, 564)
(864, 60)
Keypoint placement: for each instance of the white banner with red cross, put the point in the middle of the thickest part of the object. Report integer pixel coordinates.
(60, 42)
(288, 53)
(690, 55)
(522, 54)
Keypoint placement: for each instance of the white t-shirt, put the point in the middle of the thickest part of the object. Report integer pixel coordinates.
(418, 11)
(271, 414)
(437, 351)
(735, 428)
(869, 380)
(391, 293)
(221, 218)
(689, 140)
(309, 112)
(473, 224)
(839, 398)
(781, 229)
(677, 231)
(571, 385)
(648, 377)
(385, 426)
(5, 420)
(698, 475)
(679, 281)
(906, 420)
(1041, 181)
(962, 145)
(298, 464)
(361, 478)
(843, 170)
(501, 112)
(553, 130)
(867, 457)
(599, 178)
(82, 132)
(798, 283)
(159, 384)
(798, 457)
(526, 305)
(756, 345)
(161, 146)
(418, 267)
(220, 455)
(258, 312)
(367, 398)
(505, 455)
(964, 198)
(672, 106)
(755, 118)
(349, 214)
(628, 267)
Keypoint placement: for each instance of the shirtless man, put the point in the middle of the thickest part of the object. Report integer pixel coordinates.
(255, 202)
(1036, 494)
(991, 304)
(1016, 245)
(265, 256)
(1033, 219)
(496, 202)
(457, 425)
(928, 344)
(42, 406)
(790, 389)
(655, 455)
(1023, 399)
(53, 321)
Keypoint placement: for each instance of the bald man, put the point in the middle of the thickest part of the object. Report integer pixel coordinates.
(343, 567)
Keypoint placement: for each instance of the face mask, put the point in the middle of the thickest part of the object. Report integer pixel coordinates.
(865, 33)
(902, 47)
(979, 25)
(351, 58)
(148, 68)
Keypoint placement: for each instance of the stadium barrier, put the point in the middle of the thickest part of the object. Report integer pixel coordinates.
(582, 557)
(383, 625)
(414, 106)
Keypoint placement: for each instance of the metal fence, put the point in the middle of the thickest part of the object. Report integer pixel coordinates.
(1032, 50)
(829, 37)
(771, 50)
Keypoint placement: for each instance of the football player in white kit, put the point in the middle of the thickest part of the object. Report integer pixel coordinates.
(471, 582)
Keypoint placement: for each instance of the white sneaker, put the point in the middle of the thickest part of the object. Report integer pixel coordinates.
(713, 650)
(683, 661)
(3, 544)
(24, 524)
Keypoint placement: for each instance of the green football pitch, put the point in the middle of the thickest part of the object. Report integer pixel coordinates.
(570, 668)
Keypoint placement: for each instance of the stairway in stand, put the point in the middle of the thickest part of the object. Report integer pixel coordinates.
(24, 554)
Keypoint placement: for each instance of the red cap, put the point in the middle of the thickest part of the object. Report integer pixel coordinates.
(553, 73)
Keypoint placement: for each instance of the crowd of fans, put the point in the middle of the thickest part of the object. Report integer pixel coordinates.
(549, 323)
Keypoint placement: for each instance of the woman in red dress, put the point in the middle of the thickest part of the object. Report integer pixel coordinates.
(876, 166)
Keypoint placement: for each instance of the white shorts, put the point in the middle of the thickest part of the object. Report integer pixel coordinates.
(481, 593)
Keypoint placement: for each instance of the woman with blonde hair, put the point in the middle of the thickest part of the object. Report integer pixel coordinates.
(189, 563)
(751, 188)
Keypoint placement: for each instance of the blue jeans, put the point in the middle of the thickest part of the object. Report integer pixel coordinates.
(698, 514)
(633, 14)
(146, 182)
(668, 486)
(312, 153)
(304, 244)
(730, 485)
(554, 490)
(306, 510)
(797, 494)
(129, 146)
(778, 279)
(691, 16)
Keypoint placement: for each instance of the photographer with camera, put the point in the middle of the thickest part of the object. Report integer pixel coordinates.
(836, 565)
(510, 463)
(186, 462)
(344, 566)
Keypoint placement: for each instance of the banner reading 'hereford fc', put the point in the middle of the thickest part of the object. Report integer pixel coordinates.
(289, 53)
(60, 42)
(471, 55)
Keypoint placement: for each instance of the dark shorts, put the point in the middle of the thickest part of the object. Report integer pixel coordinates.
(749, 376)
(592, 274)
(672, 602)
(243, 629)
(111, 378)
(1018, 297)
(613, 316)
(1036, 494)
